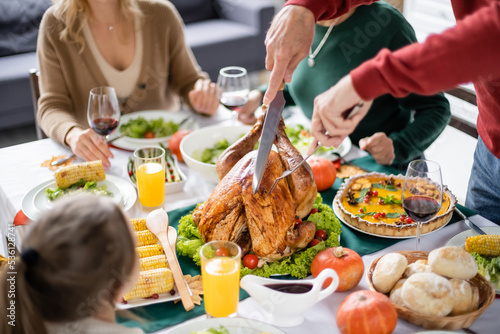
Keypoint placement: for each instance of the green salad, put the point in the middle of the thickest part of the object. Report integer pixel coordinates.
(211, 154)
(301, 138)
(297, 265)
(154, 128)
(79, 187)
(489, 267)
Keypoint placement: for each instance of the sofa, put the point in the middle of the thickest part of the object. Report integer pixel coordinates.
(220, 33)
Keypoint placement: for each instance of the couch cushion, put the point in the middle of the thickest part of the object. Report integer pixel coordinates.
(19, 22)
(195, 10)
(219, 43)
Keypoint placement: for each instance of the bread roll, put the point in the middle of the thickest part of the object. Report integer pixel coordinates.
(453, 262)
(388, 271)
(428, 294)
(462, 297)
(416, 267)
(396, 292)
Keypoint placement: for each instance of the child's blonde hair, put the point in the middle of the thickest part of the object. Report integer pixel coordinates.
(74, 260)
(74, 12)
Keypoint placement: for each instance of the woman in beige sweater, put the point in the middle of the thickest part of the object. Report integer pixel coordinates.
(136, 46)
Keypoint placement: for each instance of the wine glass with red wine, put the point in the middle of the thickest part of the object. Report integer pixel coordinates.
(103, 110)
(233, 87)
(422, 192)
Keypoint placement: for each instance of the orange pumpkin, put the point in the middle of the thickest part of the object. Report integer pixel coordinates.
(324, 172)
(366, 311)
(346, 262)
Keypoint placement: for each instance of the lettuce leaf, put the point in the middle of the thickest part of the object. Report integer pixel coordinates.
(297, 265)
(489, 267)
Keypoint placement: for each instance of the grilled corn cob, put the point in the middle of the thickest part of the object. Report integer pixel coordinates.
(153, 262)
(139, 224)
(87, 171)
(146, 237)
(149, 250)
(488, 244)
(150, 282)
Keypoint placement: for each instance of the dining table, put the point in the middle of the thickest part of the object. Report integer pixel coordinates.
(21, 171)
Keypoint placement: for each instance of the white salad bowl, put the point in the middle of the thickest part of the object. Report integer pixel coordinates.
(193, 144)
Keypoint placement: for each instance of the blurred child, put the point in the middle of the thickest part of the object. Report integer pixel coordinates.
(75, 264)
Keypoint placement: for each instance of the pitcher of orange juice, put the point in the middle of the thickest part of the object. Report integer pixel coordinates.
(150, 173)
(220, 272)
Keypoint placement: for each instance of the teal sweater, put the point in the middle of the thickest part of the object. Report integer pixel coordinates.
(413, 122)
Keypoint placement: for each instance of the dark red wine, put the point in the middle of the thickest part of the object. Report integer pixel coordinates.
(104, 126)
(421, 208)
(233, 103)
(290, 288)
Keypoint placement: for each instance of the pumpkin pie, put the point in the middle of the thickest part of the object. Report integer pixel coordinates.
(371, 202)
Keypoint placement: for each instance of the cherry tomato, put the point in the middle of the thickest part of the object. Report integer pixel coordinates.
(155, 296)
(313, 210)
(221, 252)
(298, 221)
(314, 242)
(250, 261)
(321, 234)
(149, 134)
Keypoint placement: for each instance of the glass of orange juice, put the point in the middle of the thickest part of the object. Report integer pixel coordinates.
(150, 173)
(220, 272)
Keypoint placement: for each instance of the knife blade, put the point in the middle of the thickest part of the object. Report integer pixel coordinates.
(271, 122)
(470, 223)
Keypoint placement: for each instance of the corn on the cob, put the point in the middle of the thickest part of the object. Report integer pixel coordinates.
(149, 250)
(87, 171)
(488, 244)
(153, 262)
(146, 237)
(139, 224)
(150, 282)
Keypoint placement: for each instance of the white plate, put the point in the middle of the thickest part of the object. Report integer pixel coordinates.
(233, 325)
(128, 143)
(342, 150)
(459, 239)
(337, 213)
(36, 201)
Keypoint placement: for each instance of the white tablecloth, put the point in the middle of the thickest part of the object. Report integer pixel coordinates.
(20, 171)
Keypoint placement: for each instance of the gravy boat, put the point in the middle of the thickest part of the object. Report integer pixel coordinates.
(288, 300)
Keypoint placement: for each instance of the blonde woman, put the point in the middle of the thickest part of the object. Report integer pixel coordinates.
(75, 264)
(136, 46)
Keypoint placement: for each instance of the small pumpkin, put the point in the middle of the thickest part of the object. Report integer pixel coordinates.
(366, 311)
(324, 172)
(346, 262)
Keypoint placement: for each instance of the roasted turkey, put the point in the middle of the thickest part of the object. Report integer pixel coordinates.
(263, 223)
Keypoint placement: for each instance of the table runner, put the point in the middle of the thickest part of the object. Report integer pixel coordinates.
(168, 314)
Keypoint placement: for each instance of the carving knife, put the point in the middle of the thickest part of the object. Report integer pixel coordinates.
(273, 116)
(469, 222)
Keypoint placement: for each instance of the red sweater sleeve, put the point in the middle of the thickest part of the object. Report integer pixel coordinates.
(467, 52)
(328, 9)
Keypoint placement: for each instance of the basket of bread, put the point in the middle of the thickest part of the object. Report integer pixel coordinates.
(436, 290)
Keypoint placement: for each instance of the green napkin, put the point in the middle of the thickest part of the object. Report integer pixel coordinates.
(158, 316)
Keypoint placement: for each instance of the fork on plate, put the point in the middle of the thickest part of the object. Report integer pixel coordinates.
(290, 171)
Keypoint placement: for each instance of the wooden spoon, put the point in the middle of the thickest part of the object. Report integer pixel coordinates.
(157, 223)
